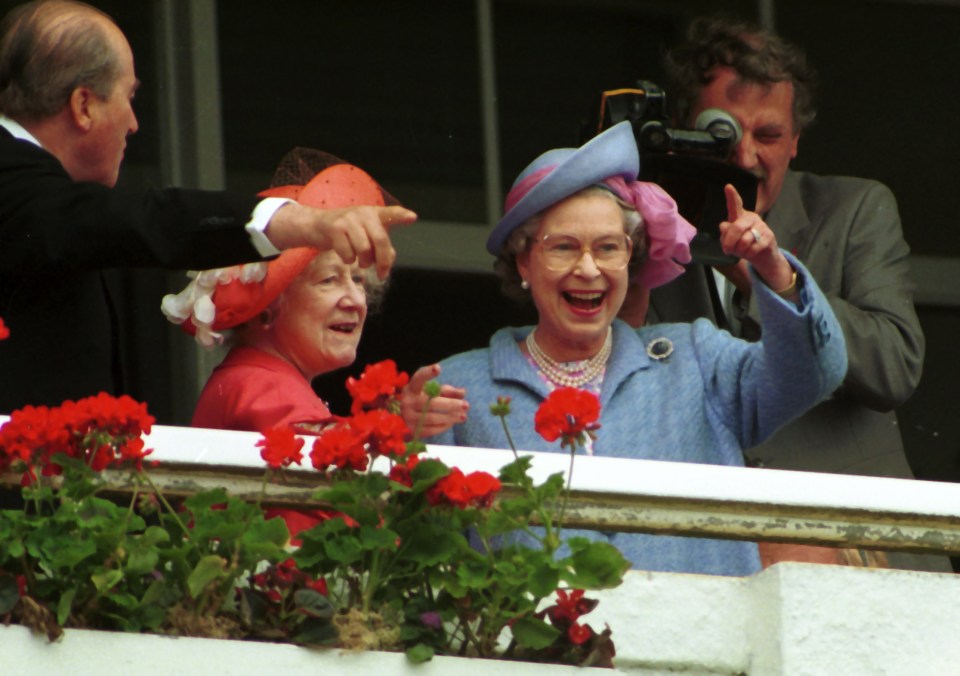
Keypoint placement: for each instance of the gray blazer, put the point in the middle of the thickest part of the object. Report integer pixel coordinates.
(847, 232)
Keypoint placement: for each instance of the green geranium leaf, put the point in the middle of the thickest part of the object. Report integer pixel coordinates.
(152, 616)
(14, 548)
(265, 539)
(344, 549)
(210, 568)
(427, 473)
(155, 593)
(516, 472)
(313, 604)
(315, 632)
(65, 605)
(551, 488)
(419, 653)
(530, 632)
(596, 565)
(107, 579)
(474, 574)
(545, 574)
(341, 494)
(378, 538)
(429, 545)
(202, 502)
(145, 555)
(251, 606)
(126, 601)
(65, 553)
(142, 561)
(9, 593)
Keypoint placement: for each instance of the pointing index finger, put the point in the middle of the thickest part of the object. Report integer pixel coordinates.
(734, 203)
(390, 216)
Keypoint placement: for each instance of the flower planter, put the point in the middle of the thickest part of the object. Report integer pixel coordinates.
(792, 619)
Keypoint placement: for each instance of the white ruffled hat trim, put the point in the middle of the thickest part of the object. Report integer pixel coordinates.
(195, 302)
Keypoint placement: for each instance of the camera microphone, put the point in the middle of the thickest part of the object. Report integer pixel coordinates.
(720, 124)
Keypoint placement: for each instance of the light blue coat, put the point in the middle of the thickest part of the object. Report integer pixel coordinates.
(712, 397)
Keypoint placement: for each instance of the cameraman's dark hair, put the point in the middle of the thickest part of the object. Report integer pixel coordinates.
(755, 54)
(49, 48)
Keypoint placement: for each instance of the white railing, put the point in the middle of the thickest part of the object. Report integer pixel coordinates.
(637, 495)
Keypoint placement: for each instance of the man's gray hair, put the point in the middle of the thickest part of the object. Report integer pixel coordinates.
(49, 48)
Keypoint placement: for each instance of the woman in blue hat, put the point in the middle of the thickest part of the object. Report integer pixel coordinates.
(578, 230)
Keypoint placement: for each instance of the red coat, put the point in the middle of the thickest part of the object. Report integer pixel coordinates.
(252, 391)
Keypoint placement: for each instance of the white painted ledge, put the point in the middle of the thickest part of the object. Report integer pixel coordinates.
(622, 475)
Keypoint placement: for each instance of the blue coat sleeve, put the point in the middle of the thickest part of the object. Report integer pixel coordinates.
(800, 360)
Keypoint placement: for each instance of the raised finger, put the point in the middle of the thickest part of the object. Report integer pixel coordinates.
(391, 216)
(422, 376)
(734, 203)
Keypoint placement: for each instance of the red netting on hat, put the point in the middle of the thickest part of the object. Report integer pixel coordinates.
(300, 165)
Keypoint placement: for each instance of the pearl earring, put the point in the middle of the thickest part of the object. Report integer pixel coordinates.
(524, 284)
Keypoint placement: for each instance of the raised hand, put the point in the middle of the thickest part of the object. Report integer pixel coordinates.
(356, 233)
(745, 235)
(445, 410)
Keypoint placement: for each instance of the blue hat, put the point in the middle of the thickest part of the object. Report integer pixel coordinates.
(559, 173)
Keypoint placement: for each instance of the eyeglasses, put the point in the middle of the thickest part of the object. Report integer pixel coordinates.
(562, 252)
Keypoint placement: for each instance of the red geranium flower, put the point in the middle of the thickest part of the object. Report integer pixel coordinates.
(579, 633)
(400, 472)
(379, 384)
(281, 447)
(386, 433)
(319, 586)
(482, 487)
(475, 489)
(570, 606)
(101, 430)
(568, 414)
(134, 451)
(339, 446)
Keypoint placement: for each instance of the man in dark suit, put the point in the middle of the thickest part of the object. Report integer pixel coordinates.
(67, 83)
(845, 230)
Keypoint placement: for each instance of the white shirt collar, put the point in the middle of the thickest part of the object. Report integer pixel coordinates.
(18, 131)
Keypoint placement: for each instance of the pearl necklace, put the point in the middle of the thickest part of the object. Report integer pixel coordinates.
(565, 374)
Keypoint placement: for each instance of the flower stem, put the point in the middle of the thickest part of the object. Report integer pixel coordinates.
(167, 505)
(506, 430)
(566, 492)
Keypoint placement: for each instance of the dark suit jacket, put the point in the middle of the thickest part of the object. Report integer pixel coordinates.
(56, 235)
(847, 232)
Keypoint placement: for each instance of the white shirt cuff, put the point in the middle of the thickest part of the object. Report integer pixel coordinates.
(258, 222)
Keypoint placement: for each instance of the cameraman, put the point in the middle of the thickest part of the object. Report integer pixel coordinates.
(845, 230)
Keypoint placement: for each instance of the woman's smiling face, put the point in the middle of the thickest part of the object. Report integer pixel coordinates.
(576, 306)
(320, 316)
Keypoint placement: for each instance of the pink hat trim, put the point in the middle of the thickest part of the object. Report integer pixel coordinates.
(668, 233)
(525, 185)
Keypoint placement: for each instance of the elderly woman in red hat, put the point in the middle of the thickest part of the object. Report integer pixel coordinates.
(292, 318)
(578, 230)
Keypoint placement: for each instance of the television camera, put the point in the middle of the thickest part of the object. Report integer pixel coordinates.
(691, 165)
